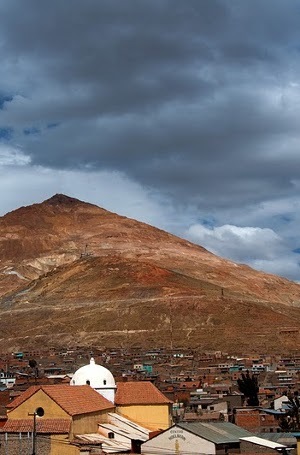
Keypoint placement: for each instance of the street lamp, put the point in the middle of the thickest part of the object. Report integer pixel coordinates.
(38, 412)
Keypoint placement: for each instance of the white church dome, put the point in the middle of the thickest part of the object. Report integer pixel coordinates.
(98, 377)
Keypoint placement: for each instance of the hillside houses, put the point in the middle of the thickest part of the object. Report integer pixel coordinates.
(202, 388)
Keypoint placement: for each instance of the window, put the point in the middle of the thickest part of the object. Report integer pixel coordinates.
(104, 381)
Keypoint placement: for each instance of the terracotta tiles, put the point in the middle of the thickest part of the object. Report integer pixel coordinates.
(49, 426)
(74, 400)
(78, 399)
(139, 392)
(23, 397)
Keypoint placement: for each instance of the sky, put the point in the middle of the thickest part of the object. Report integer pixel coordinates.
(181, 114)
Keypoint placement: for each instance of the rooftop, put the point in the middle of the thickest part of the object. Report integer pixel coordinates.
(263, 442)
(48, 426)
(139, 392)
(74, 400)
(216, 432)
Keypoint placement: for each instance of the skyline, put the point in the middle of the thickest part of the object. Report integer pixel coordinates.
(183, 115)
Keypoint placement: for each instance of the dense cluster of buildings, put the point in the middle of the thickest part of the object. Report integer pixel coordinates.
(90, 401)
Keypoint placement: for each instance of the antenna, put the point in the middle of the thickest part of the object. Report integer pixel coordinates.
(171, 327)
(85, 252)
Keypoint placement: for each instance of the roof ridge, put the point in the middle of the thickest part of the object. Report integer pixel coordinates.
(55, 400)
(21, 398)
(138, 392)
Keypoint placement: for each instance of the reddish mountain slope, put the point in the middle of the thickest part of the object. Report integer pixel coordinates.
(73, 272)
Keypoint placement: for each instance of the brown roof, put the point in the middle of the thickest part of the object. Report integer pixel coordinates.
(22, 397)
(139, 392)
(49, 426)
(81, 399)
(189, 384)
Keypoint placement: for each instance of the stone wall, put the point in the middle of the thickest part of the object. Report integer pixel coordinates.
(21, 444)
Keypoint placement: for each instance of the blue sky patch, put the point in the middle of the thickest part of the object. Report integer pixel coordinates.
(296, 250)
(208, 222)
(286, 218)
(32, 130)
(6, 134)
(4, 99)
(52, 125)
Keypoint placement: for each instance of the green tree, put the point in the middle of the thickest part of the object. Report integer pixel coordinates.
(34, 366)
(291, 420)
(248, 386)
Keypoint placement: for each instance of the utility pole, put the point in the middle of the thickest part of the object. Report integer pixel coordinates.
(38, 412)
(34, 434)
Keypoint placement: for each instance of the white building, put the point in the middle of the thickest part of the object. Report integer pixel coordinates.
(278, 402)
(7, 380)
(196, 437)
(98, 377)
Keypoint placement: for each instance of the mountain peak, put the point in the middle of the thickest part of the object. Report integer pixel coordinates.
(102, 270)
(62, 199)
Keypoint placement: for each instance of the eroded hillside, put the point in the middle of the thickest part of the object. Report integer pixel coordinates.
(72, 272)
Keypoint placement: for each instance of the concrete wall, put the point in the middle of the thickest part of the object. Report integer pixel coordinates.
(177, 440)
(88, 423)
(278, 402)
(39, 399)
(61, 446)
(248, 447)
(153, 417)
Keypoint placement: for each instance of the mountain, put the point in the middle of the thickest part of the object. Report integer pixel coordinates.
(74, 273)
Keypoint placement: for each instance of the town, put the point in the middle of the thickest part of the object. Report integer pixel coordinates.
(195, 388)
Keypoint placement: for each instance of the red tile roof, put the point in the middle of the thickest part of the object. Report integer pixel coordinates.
(75, 400)
(139, 392)
(49, 426)
(23, 397)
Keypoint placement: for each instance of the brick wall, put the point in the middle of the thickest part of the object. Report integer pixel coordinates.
(255, 421)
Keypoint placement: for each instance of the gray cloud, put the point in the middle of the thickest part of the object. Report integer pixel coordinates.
(195, 102)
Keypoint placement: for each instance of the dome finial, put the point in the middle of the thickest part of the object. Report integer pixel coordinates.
(98, 377)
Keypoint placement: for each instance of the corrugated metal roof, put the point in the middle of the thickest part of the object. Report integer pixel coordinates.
(123, 432)
(216, 432)
(263, 442)
(108, 445)
(123, 422)
(283, 438)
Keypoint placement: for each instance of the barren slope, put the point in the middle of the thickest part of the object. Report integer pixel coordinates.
(137, 285)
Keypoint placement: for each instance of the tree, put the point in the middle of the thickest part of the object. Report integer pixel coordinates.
(33, 365)
(291, 420)
(248, 386)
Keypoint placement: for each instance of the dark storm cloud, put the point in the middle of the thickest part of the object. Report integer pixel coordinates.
(181, 113)
(191, 151)
(178, 95)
